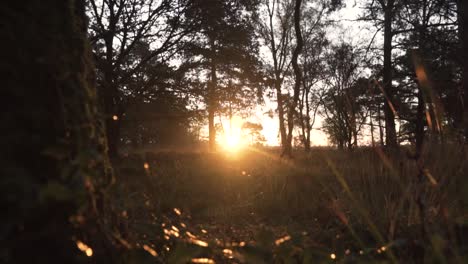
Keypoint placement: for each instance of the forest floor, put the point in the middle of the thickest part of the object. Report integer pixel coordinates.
(324, 206)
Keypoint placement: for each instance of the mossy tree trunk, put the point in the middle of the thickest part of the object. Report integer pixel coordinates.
(53, 166)
(463, 35)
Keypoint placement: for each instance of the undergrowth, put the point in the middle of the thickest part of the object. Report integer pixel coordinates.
(323, 206)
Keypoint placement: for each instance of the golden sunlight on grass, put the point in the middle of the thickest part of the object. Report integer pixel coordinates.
(85, 248)
(202, 260)
(150, 250)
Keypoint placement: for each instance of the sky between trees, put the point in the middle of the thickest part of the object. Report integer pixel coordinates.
(310, 72)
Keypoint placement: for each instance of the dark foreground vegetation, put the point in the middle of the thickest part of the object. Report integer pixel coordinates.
(325, 206)
(96, 93)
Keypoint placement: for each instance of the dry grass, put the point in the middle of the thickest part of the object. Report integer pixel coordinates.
(341, 201)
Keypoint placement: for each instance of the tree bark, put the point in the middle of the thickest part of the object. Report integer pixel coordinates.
(287, 149)
(419, 135)
(301, 116)
(109, 93)
(113, 115)
(280, 102)
(278, 67)
(305, 121)
(462, 26)
(390, 131)
(372, 130)
(308, 123)
(212, 105)
(54, 164)
(421, 107)
(381, 129)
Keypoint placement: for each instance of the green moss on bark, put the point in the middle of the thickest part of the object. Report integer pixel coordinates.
(53, 161)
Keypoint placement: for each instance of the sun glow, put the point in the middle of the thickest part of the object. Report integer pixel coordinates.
(232, 138)
(232, 142)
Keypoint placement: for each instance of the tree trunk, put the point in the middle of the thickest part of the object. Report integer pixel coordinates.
(372, 130)
(417, 58)
(302, 118)
(287, 149)
(390, 132)
(381, 130)
(340, 143)
(113, 119)
(463, 24)
(277, 74)
(54, 145)
(308, 123)
(305, 119)
(355, 136)
(113, 125)
(419, 134)
(212, 106)
(282, 126)
(109, 92)
(353, 124)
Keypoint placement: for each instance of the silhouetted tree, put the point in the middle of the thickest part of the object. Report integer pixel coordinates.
(342, 104)
(254, 131)
(287, 149)
(313, 67)
(225, 49)
(275, 29)
(426, 72)
(118, 30)
(383, 13)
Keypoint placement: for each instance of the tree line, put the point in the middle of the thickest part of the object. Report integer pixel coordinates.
(176, 66)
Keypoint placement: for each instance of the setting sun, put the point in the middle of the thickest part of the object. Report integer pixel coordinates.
(232, 142)
(232, 138)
